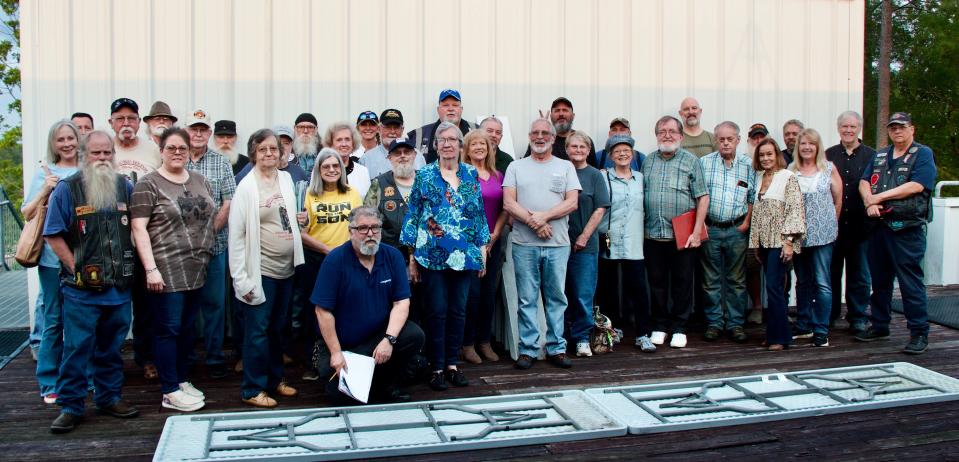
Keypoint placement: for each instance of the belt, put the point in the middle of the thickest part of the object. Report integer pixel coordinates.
(725, 224)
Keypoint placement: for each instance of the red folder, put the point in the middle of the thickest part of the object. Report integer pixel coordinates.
(683, 226)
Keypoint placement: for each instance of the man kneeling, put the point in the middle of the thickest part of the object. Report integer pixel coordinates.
(362, 298)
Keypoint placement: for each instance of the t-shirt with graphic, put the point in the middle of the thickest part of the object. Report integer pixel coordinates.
(180, 227)
(329, 215)
(137, 162)
(276, 232)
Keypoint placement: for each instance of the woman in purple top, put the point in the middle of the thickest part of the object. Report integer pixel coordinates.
(479, 152)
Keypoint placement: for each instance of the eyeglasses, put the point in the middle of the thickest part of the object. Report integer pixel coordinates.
(265, 149)
(330, 167)
(667, 132)
(364, 229)
(176, 149)
(306, 127)
(128, 119)
(450, 140)
(541, 133)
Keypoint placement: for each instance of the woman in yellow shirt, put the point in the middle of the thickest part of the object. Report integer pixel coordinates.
(323, 227)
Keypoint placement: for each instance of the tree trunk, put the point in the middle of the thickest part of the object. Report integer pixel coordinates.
(885, 47)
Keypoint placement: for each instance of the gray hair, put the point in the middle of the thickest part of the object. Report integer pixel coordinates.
(491, 118)
(849, 115)
(727, 124)
(444, 126)
(53, 157)
(552, 129)
(666, 118)
(316, 182)
(86, 141)
(795, 122)
(365, 212)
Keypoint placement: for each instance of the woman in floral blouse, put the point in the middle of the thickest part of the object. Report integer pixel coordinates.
(446, 226)
(778, 225)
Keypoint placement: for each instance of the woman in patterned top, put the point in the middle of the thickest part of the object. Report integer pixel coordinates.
(821, 187)
(446, 226)
(778, 224)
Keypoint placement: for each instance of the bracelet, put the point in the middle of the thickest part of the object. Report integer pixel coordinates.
(152, 270)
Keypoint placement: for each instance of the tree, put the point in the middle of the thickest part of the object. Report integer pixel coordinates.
(11, 150)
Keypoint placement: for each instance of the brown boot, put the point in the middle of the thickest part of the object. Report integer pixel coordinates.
(469, 354)
(487, 352)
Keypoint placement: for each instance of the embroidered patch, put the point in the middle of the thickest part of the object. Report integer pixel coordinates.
(389, 191)
(85, 210)
(390, 206)
(874, 179)
(121, 206)
(124, 221)
(83, 226)
(913, 150)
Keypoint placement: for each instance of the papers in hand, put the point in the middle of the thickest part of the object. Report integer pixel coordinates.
(357, 377)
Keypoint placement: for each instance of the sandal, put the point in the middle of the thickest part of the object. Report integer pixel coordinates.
(150, 372)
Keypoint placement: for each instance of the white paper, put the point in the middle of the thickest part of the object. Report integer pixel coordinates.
(357, 377)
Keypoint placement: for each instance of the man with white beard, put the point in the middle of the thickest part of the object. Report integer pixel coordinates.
(389, 191)
(224, 139)
(696, 139)
(307, 142)
(88, 227)
(135, 156)
(673, 184)
(376, 160)
(159, 120)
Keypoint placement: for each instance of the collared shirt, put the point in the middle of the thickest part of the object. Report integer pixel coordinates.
(731, 189)
(625, 217)
(446, 227)
(851, 167)
(670, 188)
(219, 173)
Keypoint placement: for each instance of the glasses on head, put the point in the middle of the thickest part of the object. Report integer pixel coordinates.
(367, 116)
(175, 149)
(669, 132)
(367, 229)
(128, 119)
(540, 133)
(446, 141)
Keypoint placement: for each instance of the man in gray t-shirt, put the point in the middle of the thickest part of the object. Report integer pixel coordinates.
(540, 191)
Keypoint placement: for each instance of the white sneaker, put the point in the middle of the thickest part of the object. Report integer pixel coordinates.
(658, 338)
(582, 349)
(645, 344)
(188, 388)
(678, 341)
(181, 401)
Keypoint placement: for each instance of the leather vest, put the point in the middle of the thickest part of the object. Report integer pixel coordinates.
(100, 240)
(900, 213)
(393, 207)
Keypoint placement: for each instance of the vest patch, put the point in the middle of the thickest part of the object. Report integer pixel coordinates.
(390, 206)
(85, 210)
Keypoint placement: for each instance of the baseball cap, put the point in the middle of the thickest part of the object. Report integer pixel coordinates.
(224, 127)
(899, 118)
(757, 129)
(305, 117)
(449, 92)
(283, 130)
(561, 100)
(401, 142)
(619, 139)
(122, 103)
(619, 120)
(199, 117)
(367, 116)
(391, 117)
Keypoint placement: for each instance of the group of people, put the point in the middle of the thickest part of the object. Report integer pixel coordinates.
(393, 246)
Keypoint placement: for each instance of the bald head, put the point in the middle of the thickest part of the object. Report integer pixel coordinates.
(690, 111)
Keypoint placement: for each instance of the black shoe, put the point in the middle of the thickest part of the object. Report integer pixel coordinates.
(738, 334)
(398, 395)
(120, 410)
(524, 362)
(218, 371)
(437, 382)
(857, 328)
(560, 360)
(456, 377)
(820, 340)
(712, 334)
(872, 334)
(917, 345)
(65, 423)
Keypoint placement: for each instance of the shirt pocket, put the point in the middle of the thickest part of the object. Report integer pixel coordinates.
(557, 183)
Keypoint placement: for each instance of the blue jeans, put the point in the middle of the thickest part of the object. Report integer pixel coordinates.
(445, 293)
(173, 334)
(852, 251)
(93, 332)
(212, 306)
(50, 316)
(541, 268)
(582, 270)
(142, 317)
(37, 332)
(484, 298)
(723, 258)
(263, 326)
(898, 255)
(777, 321)
(813, 288)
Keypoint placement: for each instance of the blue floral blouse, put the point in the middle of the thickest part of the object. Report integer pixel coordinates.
(446, 227)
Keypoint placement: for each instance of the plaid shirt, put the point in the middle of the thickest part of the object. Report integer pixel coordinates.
(671, 188)
(218, 171)
(731, 190)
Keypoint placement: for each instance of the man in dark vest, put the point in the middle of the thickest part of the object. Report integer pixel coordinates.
(389, 191)
(449, 109)
(88, 227)
(895, 188)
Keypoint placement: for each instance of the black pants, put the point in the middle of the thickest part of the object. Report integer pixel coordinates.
(670, 272)
(633, 288)
(408, 343)
(303, 328)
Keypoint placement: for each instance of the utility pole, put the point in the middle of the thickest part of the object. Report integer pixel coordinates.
(885, 47)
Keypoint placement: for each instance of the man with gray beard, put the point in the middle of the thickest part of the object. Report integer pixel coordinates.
(159, 120)
(224, 138)
(389, 191)
(696, 139)
(88, 227)
(307, 142)
(362, 298)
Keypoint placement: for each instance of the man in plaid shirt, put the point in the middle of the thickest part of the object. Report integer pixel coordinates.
(673, 184)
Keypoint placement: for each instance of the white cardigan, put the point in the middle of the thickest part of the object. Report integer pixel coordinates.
(244, 228)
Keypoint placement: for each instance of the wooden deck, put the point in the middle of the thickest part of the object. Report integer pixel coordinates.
(924, 432)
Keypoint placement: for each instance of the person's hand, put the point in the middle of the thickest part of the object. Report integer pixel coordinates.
(492, 239)
(787, 253)
(581, 242)
(693, 241)
(338, 362)
(873, 211)
(381, 354)
(545, 233)
(743, 228)
(537, 220)
(50, 181)
(248, 297)
(155, 281)
(412, 271)
(302, 219)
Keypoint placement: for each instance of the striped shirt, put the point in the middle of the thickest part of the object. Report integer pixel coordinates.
(218, 171)
(731, 189)
(671, 188)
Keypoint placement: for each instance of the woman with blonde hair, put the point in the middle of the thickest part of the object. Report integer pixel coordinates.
(344, 138)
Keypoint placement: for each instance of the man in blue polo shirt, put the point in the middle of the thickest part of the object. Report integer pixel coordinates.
(362, 298)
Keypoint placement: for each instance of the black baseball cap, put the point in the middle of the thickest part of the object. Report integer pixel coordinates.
(224, 127)
(391, 117)
(122, 103)
(401, 142)
(561, 100)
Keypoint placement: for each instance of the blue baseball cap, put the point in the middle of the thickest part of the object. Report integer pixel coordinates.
(367, 116)
(449, 92)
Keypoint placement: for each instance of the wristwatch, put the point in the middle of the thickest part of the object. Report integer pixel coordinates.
(390, 339)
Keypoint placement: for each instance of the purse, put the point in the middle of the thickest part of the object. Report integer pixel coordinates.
(30, 244)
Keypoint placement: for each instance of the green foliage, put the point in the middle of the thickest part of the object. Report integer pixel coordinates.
(924, 77)
(11, 150)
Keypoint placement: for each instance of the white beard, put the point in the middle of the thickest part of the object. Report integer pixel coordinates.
(404, 171)
(158, 130)
(230, 154)
(302, 147)
(668, 148)
(369, 249)
(99, 186)
(539, 150)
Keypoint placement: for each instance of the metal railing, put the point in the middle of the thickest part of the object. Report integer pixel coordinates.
(11, 225)
(943, 184)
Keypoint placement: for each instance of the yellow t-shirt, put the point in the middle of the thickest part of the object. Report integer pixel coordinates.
(329, 215)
